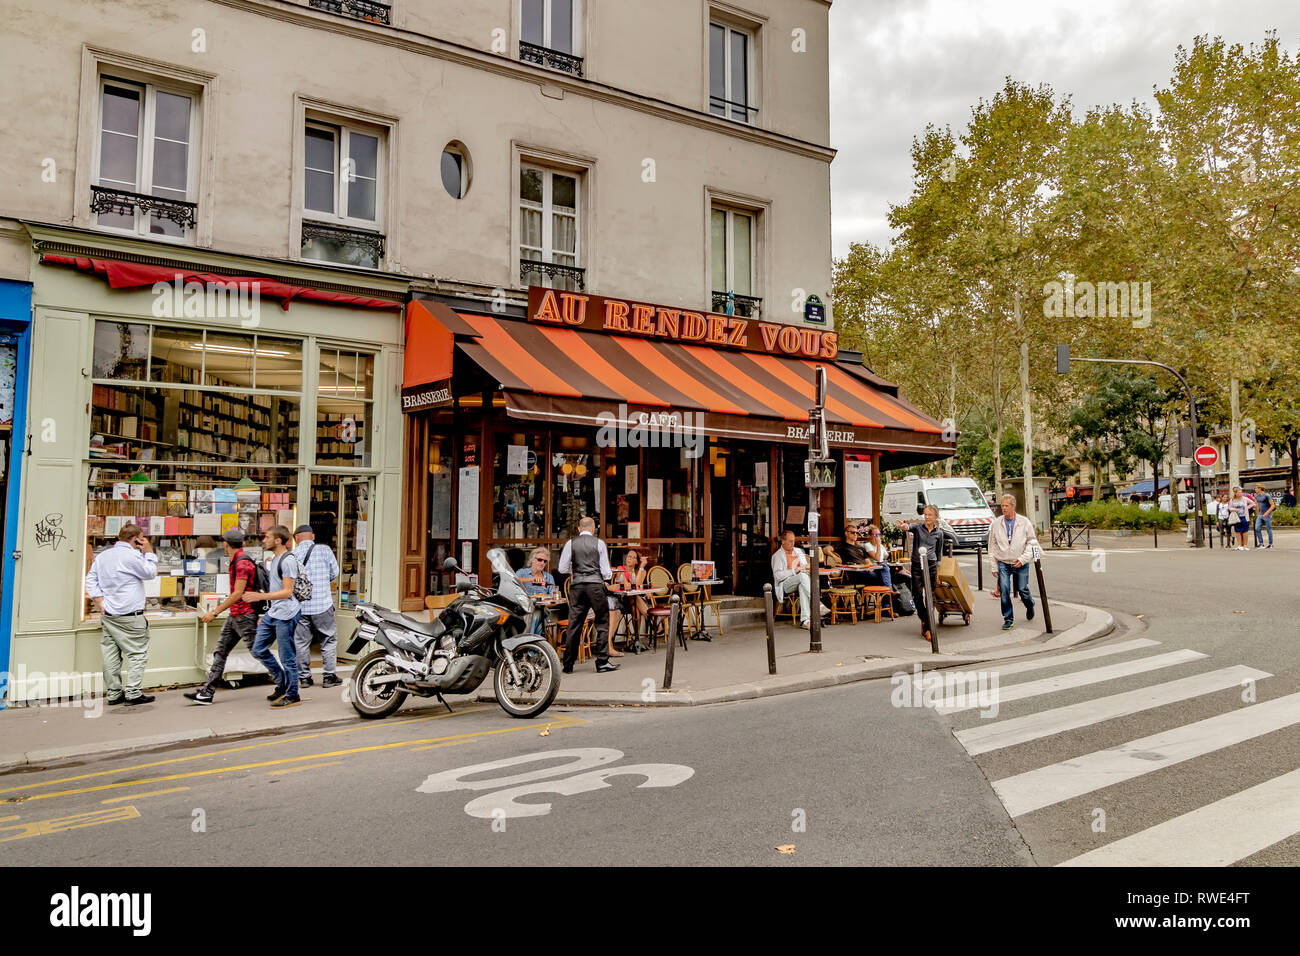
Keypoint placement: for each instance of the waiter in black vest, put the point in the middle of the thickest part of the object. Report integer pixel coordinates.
(586, 560)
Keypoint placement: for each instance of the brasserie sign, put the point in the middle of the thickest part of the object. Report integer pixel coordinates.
(580, 310)
(426, 396)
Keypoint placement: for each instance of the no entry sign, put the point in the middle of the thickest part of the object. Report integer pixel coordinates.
(1206, 455)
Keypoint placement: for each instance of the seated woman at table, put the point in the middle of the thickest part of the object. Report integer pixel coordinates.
(630, 574)
(877, 553)
(537, 581)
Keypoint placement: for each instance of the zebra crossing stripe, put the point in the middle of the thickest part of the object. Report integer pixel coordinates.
(1018, 730)
(1095, 675)
(1035, 789)
(1216, 834)
(1069, 657)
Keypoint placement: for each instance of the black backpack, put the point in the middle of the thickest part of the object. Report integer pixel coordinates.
(261, 583)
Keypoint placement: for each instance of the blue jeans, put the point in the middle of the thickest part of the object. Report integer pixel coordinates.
(1021, 574)
(1262, 522)
(284, 671)
(879, 578)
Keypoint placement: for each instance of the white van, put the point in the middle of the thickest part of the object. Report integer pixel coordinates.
(962, 506)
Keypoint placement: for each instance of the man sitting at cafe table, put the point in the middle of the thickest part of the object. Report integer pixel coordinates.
(871, 551)
(537, 581)
(790, 574)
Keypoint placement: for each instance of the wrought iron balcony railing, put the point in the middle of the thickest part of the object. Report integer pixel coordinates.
(121, 201)
(740, 112)
(545, 56)
(745, 306)
(367, 10)
(334, 243)
(568, 278)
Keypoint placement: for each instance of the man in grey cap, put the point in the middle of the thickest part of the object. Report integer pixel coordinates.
(317, 615)
(241, 625)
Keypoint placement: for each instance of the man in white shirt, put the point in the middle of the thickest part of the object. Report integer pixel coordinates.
(790, 570)
(321, 567)
(1012, 543)
(116, 584)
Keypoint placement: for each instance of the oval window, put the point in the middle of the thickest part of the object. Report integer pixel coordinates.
(455, 170)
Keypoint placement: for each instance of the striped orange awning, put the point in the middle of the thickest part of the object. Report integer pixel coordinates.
(570, 376)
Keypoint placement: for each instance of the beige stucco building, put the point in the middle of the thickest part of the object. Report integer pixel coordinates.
(674, 152)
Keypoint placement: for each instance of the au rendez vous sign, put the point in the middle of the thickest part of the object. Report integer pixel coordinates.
(579, 310)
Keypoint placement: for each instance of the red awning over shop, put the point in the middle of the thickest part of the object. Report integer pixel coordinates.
(134, 275)
(582, 378)
(430, 345)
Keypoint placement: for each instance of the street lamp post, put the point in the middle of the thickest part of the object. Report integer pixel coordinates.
(1063, 359)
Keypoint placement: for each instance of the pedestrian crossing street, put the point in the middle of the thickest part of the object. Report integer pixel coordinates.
(1219, 833)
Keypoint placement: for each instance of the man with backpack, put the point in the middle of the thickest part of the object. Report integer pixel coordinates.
(286, 588)
(241, 625)
(317, 620)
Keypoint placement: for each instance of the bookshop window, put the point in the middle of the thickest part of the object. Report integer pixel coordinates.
(344, 403)
(174, 394)
(518, 493)
(184, 509)
(575, 470)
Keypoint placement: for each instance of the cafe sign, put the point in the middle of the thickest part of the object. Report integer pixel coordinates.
(579, 310)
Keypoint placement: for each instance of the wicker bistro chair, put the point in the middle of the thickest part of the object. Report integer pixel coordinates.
(710, 601)
(584, 636)
(844, 598)
(692, 596)
(661, 580)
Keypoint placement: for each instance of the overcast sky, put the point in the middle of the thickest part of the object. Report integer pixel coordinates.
(899, 64)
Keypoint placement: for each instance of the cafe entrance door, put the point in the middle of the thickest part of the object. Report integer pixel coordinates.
(742, 515)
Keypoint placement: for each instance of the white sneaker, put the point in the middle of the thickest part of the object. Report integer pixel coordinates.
(804, 625)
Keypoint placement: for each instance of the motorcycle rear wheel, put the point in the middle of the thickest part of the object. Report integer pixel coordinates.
(370, 702)
(539, 667)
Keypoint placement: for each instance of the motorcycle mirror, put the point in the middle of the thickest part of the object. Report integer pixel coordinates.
(450, 564)
(464, 586)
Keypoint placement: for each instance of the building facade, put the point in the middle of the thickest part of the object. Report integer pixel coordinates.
(219, 212)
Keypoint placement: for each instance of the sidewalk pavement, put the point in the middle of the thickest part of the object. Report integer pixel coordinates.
(731, 667)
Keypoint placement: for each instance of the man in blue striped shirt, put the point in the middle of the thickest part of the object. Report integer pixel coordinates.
(317, 617)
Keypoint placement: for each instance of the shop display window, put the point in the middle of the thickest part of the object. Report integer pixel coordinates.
(344, 402)
(185, 509)
(575, 478)
(518, 493)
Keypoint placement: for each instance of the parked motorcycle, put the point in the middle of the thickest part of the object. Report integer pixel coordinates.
(481, 631)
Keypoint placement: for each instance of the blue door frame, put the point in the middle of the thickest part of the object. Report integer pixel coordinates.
(16, 329)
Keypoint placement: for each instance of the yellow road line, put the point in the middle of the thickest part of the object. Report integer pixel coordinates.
(398, 745)
(7, 819)
(315, 766)
(450, 743)
(366, 725)
(141, 796)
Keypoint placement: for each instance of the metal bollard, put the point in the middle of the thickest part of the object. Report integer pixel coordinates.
(979, 565)
(769, 605)
(1042, 596)
(674, 619)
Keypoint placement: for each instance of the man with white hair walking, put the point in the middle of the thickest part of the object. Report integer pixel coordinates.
(1012, 541)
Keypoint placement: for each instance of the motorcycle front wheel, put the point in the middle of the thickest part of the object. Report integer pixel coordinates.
(539, 672)
(375, 701)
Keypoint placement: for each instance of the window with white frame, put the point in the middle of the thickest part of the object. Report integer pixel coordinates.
(342, 205)
(732, 240)
(145, 162)
(549, 228)
(549, 35)
(731, 54)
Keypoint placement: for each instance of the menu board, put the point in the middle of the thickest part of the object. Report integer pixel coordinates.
(467, 504)
(858, 486)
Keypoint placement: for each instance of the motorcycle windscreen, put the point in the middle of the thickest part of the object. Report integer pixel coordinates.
(508, 586)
